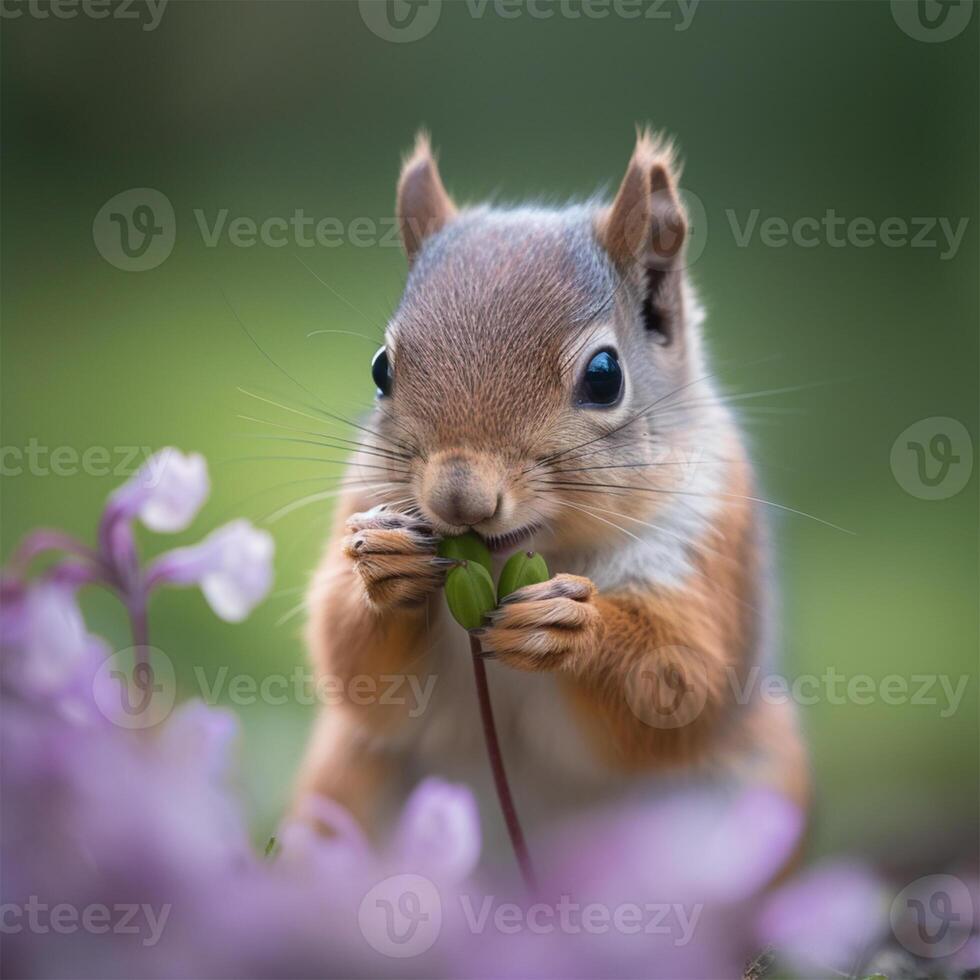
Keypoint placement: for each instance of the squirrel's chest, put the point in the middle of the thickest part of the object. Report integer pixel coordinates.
(542, 744)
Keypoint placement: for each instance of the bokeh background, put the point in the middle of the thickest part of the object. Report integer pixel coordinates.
(270, 108)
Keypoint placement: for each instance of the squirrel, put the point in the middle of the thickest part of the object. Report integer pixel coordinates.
(543, 384)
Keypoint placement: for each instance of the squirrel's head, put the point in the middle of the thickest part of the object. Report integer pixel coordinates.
(541, 373)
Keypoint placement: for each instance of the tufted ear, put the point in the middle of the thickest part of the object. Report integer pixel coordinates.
(644, 231)
(422, 206)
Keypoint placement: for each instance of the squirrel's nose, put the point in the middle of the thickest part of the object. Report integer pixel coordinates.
(461, 492)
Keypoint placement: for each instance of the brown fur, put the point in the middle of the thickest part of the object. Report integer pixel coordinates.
(482, 429)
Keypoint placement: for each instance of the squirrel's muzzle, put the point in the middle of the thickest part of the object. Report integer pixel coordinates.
(460, 489)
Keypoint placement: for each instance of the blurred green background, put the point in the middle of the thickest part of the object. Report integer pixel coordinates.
(268, 108)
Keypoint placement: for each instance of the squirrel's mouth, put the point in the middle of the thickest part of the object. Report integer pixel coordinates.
(504, 542)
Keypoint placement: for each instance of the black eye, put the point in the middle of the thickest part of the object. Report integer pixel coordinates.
(381, 372)
(602, 383)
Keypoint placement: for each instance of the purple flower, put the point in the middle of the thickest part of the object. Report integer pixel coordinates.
(437, 835)
(232, 565)
(166, 493)
(439, 832)
(48, 654)
(825, 919)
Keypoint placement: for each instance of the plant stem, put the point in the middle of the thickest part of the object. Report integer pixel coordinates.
(45, 539)
(497, 766)
(136, 607)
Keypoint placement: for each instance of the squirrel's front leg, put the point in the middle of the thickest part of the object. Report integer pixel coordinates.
(368, 615)
(545, 626)
(646, 676)
(394, 556)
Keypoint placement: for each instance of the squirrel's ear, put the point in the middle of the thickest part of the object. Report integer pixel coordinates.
(645, 228)
(423, 206)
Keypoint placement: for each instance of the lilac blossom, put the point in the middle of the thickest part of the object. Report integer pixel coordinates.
(166, 492)
(232, 565)
(98, 816)
(827, 919)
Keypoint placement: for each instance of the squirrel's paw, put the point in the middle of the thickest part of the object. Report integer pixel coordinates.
(394, 555)
(541, 627)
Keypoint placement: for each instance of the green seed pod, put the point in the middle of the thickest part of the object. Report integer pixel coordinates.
(466, 547)
(470, 594)
(522, 568)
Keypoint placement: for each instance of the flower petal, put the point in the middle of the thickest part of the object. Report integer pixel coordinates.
(177, 486)
(825, 918)
(439, 832)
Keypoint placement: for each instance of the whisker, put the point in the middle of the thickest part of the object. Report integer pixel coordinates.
(654, 527)
(346, 333)
(376, 450)
(692, 493)
(615, 429)
(596, 517)
(326, 445)
(636, 466)
(307, 459)
(407, 454)
(666, 398)
(312, 498)
(299, 384)
(350, 484)
(287, 616)
(327, 285)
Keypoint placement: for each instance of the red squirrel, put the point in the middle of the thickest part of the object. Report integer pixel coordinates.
(543, 384)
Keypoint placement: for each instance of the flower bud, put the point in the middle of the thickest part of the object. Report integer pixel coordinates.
(522, 568)
(470, 594)
(466, 547)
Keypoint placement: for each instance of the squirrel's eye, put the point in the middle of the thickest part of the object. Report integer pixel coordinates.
(602, 383)
(381, 372)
